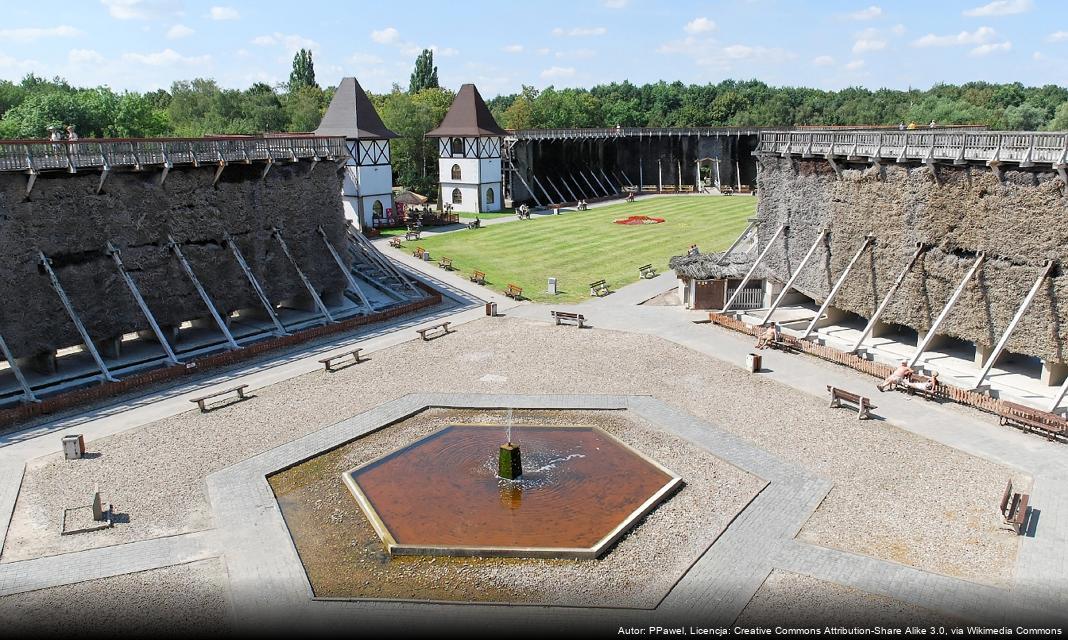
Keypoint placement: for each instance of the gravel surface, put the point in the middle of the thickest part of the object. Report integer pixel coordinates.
(344, 557)
(896, 496)
(793, 600)
(187, 598)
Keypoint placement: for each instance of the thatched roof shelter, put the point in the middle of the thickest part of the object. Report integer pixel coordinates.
(410, 198)
(712, 266)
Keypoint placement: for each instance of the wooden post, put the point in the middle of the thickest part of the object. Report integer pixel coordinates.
(307, 283)
(993, 357)
(942, 315)
(920, 248)
(868, 240)
(173, 246)
(752, 269)
(797, 272)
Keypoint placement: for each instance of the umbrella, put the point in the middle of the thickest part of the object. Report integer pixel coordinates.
(410, 197)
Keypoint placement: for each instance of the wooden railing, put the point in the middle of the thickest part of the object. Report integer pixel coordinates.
(1025, 148)
(96, 153)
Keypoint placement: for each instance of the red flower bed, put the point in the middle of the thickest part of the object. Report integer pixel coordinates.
(638, 220)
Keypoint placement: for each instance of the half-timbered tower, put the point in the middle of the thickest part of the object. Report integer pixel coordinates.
(368, 185)
(469, 154)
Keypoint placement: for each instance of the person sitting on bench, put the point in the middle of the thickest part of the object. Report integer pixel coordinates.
(902, 373)
(930, 385)
(474, 225)
(630, 196)
(772, 334)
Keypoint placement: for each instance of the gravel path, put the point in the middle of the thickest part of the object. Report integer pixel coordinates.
(897, 496)
(793, 600)
(344, 557)
(185, 598)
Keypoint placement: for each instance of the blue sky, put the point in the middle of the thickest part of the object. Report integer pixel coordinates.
(501, 45)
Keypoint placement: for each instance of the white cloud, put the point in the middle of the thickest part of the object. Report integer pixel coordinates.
(30, 34)
(1057, 36)
(580, 32)
(544, 51)
(223, 13)
(986, 49)
(823, 61)
(699, 25)
(84, 56)
(1000, 8)
(513, 48)
(854, 65)
(764, 54)
(141, 9)
(863, 46)
(13, 64)
(870, 13)
(166, 57)
(615, 4)
(388, 35)
(291, 42)
(364, 59)
(707, 53)
(179, 31)
(264, 41)
(558, 72)
(982, 35)
(576, 54)
(898, 29)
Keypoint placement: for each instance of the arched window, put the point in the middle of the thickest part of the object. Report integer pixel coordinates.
(457, 197)
(489, 195)
(455, 172)
(376, 209)
(456, 146)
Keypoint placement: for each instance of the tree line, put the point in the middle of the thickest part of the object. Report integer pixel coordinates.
(193, 108)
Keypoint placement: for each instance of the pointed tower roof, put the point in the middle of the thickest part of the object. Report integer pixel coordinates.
(352, 115)
(468, 116)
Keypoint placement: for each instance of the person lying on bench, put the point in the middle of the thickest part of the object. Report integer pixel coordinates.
(930, 385)
(900, 374)
(772, 334)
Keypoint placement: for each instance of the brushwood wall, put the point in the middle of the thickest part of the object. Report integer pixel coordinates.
(71, 223)
(1017, 219)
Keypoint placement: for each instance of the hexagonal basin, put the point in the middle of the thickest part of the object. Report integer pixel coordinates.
(581, 489)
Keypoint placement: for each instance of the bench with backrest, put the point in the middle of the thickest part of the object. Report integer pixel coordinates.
(863, 404)
(567, 316)
(418, 253)
(411, 235)
(1014, 508)
(202, 400)
(523, 215)
(921, 389)
(331, 361)
(725, 190)
(647, 271)
(1031, 419)
(436, 331)
(395, 242)
(599, 288)
(478, 277)
(744, 189)
(445, 263)
(513, 291)
(787, 344)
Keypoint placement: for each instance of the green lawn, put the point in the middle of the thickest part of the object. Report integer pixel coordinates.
(580, 247)
(487, 216)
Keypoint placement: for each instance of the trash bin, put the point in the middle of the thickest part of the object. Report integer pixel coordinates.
(752, 362)
(491, 309)
(552, 286)
(73, 447)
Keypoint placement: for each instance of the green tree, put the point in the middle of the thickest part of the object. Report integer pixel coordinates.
(304, 109)
(1025, 117)
(425, 75)
(303, 73)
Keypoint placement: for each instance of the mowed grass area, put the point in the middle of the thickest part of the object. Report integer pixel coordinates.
(578, 248)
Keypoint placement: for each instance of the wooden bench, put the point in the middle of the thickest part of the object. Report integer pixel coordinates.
(202, 400)
(744, 189)
(599, 288)
(478, 277)
(329, 363)
(445, 263)
(514, 292)
(567, 316)
(863, 405)
(1031, 419)
(916, 378)
(411, 235)
(647, 271)
(1014, 508)
(395, 242)
(444, 327)
(785, 344)
(418, 253)
(726, 190)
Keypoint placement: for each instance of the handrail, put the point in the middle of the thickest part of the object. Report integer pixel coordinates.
(88, 153)
(1023, 147)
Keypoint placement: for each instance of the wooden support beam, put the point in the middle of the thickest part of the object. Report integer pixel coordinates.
(277, 233)
(27, 392)
(734, 245)
(218, 172)
(588, 183)
(942, 315)
(31, 179)
(47, 264)
(793, 278)
(752, 269)
(553, 185)
(527, 185)
(1060, 396)
(136, 293)
(920, 248)
(177, 250)
(545, 192)
(346, 272)
(868, 240)
(279, 328)
(1004, 339)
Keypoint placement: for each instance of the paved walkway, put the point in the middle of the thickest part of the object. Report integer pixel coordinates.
(265, 574)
